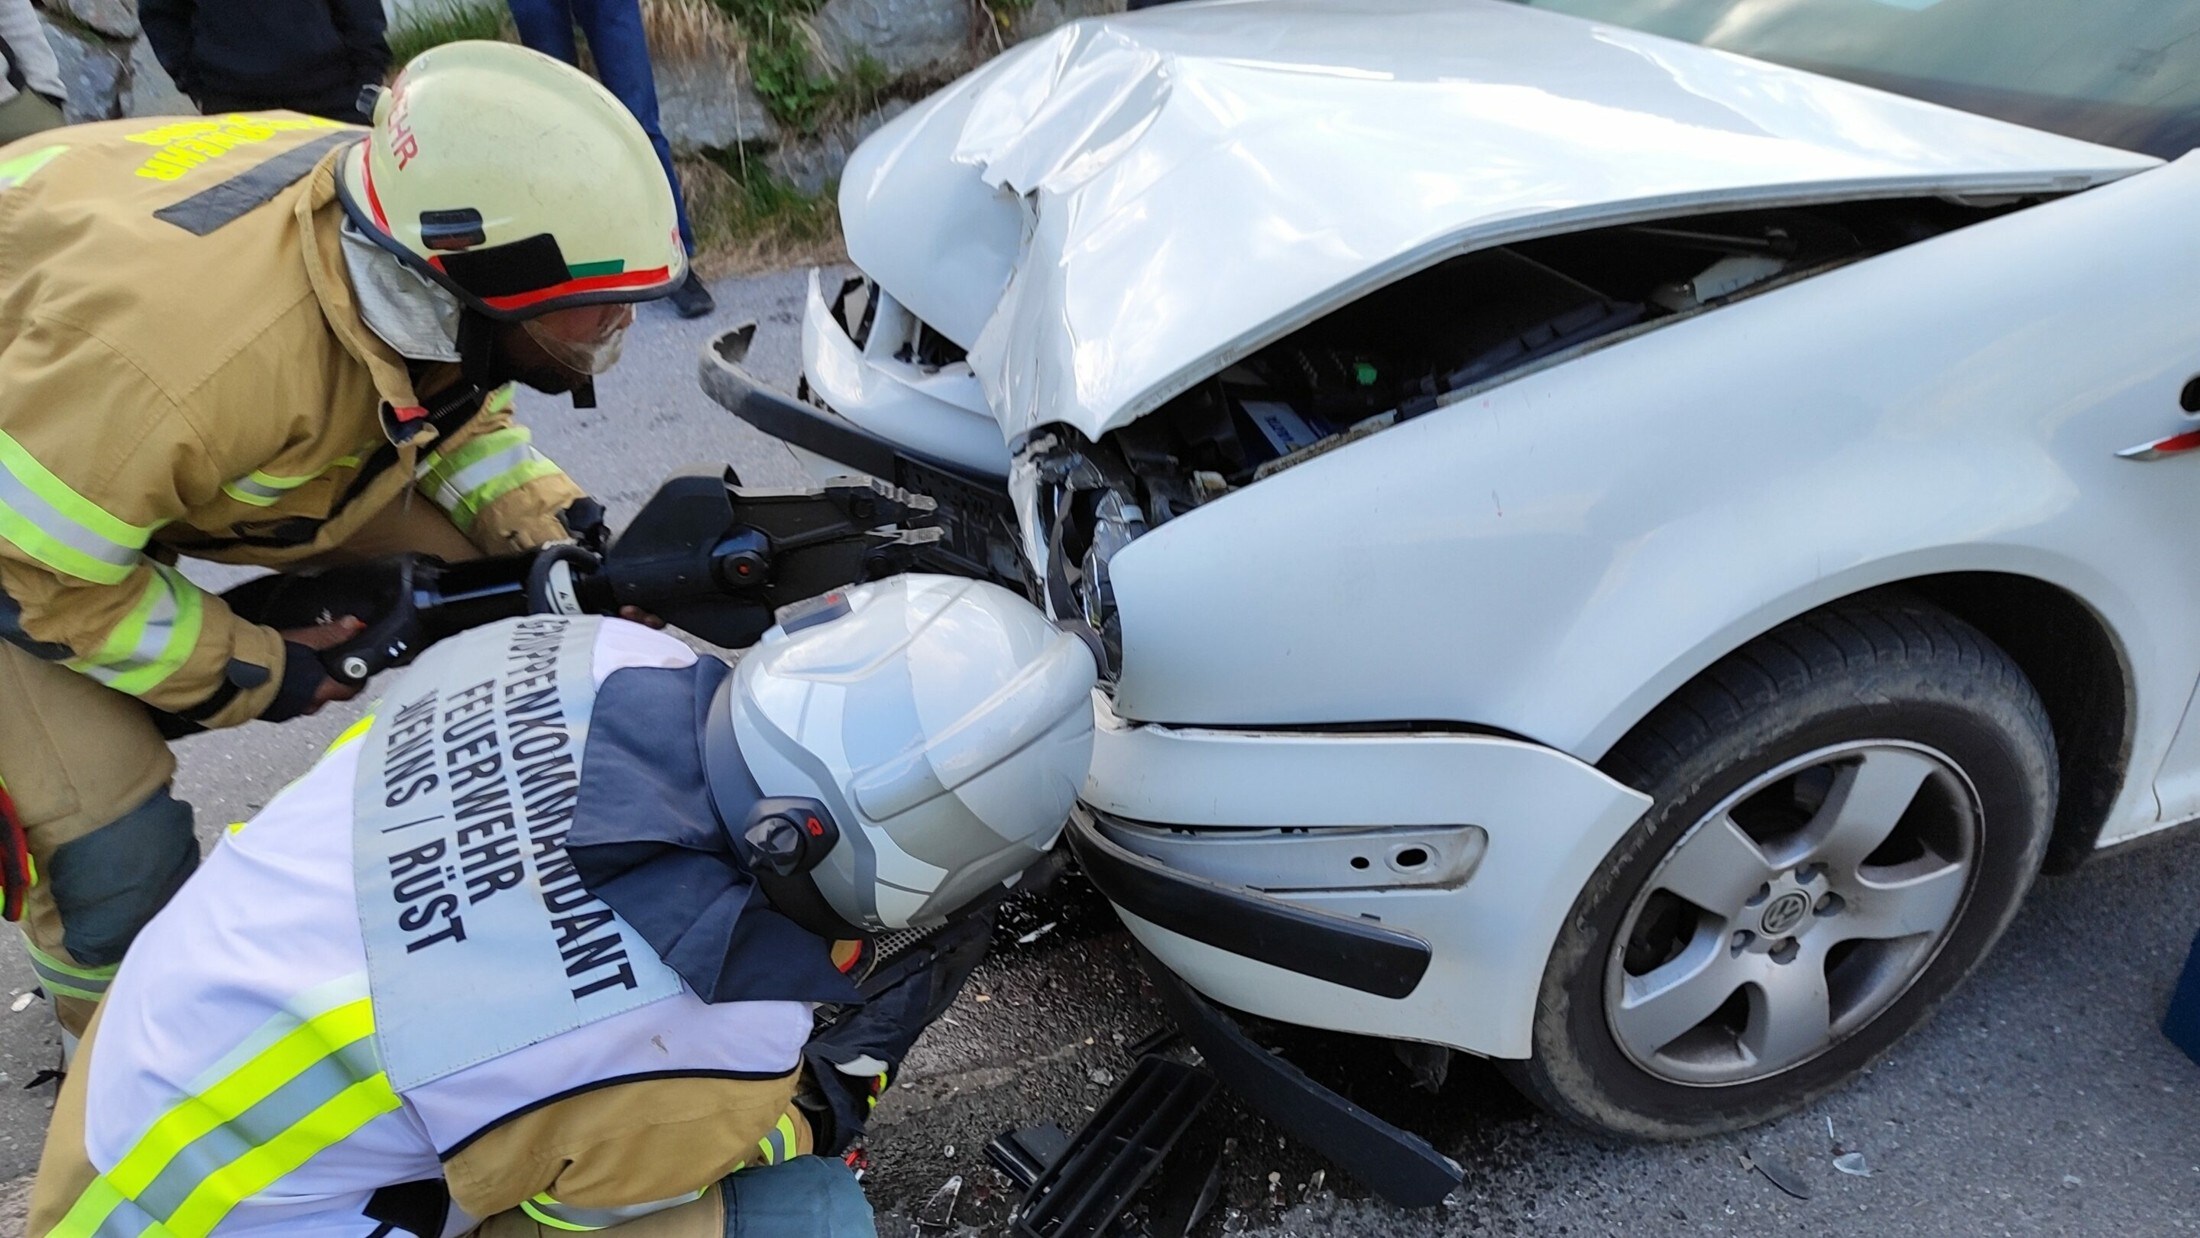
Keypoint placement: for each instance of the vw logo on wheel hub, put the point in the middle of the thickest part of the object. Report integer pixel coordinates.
(1784, 913)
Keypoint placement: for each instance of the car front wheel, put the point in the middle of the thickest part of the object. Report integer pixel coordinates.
(1845, 815)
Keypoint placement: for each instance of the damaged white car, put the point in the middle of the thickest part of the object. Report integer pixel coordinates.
(1620, 545)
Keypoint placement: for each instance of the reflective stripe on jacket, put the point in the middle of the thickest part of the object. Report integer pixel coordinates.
(303, 1082)
(469, 476)
(239, 1080)
(183, 371)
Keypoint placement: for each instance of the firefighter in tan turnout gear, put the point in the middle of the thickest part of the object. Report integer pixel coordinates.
(536, 948)
(270, 339)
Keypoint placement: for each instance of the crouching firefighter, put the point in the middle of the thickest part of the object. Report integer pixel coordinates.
(271, 339)
(540, 942)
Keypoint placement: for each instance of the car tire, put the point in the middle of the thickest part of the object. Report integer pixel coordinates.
(1798, 746)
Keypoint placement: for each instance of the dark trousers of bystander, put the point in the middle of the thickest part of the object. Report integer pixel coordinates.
(613, 29)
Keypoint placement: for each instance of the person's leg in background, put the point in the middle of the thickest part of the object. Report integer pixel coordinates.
(89, 776)
(547, 27)
(616, 40)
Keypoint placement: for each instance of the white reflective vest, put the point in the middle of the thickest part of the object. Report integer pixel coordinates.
(238, 1083)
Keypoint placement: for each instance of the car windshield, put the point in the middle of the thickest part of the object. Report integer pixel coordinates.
(2121, 72)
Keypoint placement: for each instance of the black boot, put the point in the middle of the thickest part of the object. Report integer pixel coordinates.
(692, 299)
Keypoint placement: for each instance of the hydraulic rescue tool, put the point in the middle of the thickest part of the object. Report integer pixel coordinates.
(707, 554)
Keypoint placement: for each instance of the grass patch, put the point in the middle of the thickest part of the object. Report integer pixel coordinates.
(676, 29)
(450, 22)
(787, 79)
(746, 219)
(785, 66)
(865, 85)
(773, 37)
(693, 30)
(1005, 12)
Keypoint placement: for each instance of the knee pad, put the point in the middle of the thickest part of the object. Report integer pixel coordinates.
(805, 1195)
(108, 883)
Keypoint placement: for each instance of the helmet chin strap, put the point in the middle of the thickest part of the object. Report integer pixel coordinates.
(481, 359)
(734, 797)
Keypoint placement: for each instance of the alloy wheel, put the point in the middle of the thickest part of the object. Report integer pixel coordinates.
(1793, 913)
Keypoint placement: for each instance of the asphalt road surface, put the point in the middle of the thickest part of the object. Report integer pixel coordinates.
(2041, 1101)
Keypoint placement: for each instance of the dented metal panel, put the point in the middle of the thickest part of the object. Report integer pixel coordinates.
(1188, 183)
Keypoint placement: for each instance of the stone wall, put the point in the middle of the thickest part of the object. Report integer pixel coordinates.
(900, 49)
(107, 68)
(897, 50)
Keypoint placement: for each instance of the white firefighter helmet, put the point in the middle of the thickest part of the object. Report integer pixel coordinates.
(515, 182)
(944, 723)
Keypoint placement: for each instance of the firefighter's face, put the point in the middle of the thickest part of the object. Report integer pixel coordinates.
(565, 348)
(586, 338)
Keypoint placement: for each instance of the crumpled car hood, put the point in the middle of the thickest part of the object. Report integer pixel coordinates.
(1111, 213)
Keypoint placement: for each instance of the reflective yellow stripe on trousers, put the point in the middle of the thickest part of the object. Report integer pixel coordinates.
(307, 1080)
(556, 1215)
(68, 979)
(59, 527)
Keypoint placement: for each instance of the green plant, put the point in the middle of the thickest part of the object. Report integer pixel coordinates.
(747, 219)
(788, 82)
(448, 22)
(865, 84)
(783, 66)
(690, 30)
(1000, 19)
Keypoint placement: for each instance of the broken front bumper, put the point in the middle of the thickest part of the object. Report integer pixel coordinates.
(975, 517)
(1401, 1167)
(1359, 954)
(873, 394)
(1403, 885)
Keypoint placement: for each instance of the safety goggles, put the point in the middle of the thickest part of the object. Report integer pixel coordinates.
(586, 338)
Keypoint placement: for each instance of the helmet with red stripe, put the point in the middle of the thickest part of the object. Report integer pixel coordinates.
(516, 182)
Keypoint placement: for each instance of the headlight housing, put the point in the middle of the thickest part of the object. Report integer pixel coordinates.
(1077, 507)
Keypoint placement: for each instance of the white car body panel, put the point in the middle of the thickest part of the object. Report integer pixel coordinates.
(926, 227)
(2177, 787)
(1558, 554)
(1113, 212)
(1550, 821)
(941, 414)
(1382, 137)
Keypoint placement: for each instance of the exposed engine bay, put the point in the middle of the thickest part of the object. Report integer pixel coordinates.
(1423, 343)
(863, 310)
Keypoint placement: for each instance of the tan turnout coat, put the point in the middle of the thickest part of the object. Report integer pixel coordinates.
(183, 372)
